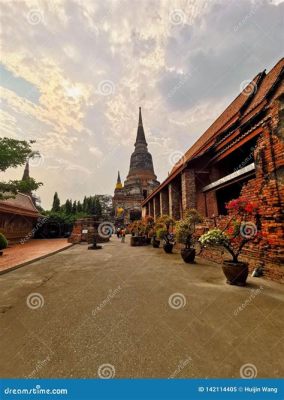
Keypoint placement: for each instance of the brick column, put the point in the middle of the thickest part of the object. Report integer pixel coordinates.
(144, 211)
(174, 200)
(188, 189)
(164, 201)
(151, 207)
(157, 210)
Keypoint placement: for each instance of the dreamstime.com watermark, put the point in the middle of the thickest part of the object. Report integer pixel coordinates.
(34, 230)
(247, 17)
(39, 365)
(248, 371)
(247, 160)
(254, 293)
(182, 364)
(35, 300)
(37, 390)
(177, 301)
(106, 301)
(106, 371)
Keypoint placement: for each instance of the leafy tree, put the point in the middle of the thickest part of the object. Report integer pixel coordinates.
(56, 203)
(97, 207)
(85, 204)
(14, 153)
(68, 207)
(79, 207)
(74, 207)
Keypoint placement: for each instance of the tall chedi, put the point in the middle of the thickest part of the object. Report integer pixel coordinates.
(140, 182)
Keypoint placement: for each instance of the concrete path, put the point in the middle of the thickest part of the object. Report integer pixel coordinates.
(34, 249)
(136, 312)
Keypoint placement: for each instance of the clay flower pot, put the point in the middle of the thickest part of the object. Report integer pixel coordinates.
(188, 255)
(236, 273)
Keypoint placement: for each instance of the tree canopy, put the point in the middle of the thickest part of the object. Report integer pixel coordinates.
(14, 153)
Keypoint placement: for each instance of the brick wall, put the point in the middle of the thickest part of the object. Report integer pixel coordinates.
(188, 189)
(267, 190)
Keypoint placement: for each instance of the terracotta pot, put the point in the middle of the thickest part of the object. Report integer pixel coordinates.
(168, 247)
(236, 273)
(188, 255)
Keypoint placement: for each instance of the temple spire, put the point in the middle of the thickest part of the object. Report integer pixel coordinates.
(118, 182)
(26, 174)
(140, 138)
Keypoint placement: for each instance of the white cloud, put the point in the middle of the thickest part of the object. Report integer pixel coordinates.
(87, 135)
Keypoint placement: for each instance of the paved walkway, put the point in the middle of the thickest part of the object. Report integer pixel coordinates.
(20, 254)
(136, 312)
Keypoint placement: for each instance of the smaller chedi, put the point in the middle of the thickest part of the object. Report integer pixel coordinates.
(140, 182)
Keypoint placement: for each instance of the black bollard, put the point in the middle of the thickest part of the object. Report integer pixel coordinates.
(94, 246)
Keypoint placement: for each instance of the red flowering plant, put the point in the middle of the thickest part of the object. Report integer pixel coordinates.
(149, 224)
(241, 228)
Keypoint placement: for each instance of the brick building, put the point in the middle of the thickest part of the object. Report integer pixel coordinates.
(241, 153)
(140, 182)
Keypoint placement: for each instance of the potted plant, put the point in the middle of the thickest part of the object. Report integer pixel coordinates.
(3, 243)
(155, 242)
(154, 233)
(149, 224)
(185, 229)
(163, 232)
(138, 227)
(240, 229)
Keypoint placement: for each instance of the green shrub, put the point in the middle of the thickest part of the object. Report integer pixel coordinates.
(3, 242)
(161, 233)
(214, 237)
(186, 226)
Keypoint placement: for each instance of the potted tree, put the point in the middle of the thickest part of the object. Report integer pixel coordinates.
(185, 229)
(240, 229)
(3, 243)
(155, 241)
(138, 227)
(149, 224)
(163, 232)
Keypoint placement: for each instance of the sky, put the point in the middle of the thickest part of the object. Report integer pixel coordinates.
(74, 73)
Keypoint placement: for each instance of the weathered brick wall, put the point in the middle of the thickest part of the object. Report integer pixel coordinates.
(164, 201)
(267, 190)
(188, 190)
(85, 224)
(174, 200)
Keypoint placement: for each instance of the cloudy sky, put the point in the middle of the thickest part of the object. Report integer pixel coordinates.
(73, 74)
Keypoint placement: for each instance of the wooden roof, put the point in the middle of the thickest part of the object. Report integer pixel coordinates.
(21, 205)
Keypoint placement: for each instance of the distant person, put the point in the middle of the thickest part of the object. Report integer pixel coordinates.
(118, 233)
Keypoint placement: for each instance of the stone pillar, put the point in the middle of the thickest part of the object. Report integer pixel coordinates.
(157, 210)
(174, 200)
(164, 201)
(188, 189)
